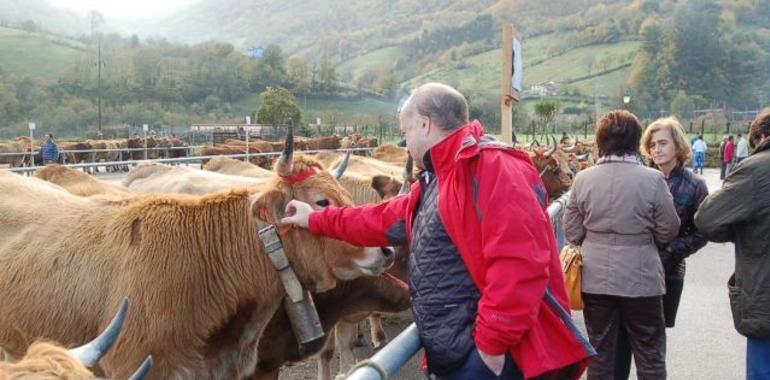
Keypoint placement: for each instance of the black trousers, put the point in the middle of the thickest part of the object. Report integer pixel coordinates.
(641, 318)
(674, 287)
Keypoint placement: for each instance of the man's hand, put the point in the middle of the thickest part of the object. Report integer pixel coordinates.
(495, 363)
(298, 214)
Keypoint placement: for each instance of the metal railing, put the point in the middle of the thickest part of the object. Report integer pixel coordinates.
(149, 149)
(389, 360)
(190, 159)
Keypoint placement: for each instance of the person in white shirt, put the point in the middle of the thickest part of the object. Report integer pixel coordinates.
(742, 150)
(699, 148)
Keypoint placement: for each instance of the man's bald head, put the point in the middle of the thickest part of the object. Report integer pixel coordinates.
(440, 103)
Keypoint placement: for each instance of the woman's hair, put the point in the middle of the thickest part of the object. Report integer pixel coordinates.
(671, 124)
(618, 133)
(760, 126)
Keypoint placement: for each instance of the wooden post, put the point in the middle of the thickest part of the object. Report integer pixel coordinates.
(508, 93)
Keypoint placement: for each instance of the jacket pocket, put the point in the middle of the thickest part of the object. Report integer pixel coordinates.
(737, 303)
(446, 334)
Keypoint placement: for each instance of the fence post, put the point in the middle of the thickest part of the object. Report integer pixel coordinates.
(247, 145)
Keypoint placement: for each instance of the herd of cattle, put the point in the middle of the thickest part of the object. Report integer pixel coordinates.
(181, 244)
(16, 153)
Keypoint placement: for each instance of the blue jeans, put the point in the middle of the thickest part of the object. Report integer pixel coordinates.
(697, 163)
(757, 359)
(474, 368)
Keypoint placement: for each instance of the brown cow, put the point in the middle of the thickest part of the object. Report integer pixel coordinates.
(204, 287)
(279, 345)
(554, 168)
(79, 183)
(231, 166)
(49, 361)
(19, 145)
(151, 177)
(370, 167)
(224, 150)
(391, 153)
(326, 142)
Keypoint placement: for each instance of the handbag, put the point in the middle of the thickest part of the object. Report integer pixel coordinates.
(572, 266)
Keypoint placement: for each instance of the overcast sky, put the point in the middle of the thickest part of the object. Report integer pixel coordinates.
(124, 9)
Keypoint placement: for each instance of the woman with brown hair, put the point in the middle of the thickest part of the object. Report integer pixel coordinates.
(665, 145)
(620, 212)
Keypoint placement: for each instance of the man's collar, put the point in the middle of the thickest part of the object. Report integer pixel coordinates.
(461, 141)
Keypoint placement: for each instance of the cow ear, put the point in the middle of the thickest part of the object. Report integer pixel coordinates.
(380, 184)
(268, 206)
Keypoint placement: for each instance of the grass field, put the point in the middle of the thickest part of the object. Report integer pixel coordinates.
(373, 61)
(37, 55)
(481, 73)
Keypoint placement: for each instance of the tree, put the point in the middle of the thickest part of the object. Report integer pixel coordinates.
(298, 74)
(278, 106)
(327, 75)
(546, 109)
(682, 105)
(270, 69)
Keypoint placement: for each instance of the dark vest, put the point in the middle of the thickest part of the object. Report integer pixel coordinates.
(444, 297)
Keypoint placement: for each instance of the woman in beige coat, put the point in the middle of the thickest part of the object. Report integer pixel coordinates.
(620, 212)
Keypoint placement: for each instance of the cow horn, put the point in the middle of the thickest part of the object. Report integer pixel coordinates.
(553, 147)
(582, 157)
(340, 169)
(143, 369)
(90, 353)
(569, 149)
(284, 166)
(408, 174)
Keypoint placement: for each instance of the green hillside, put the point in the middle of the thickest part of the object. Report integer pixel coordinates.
(604, 66)
(36, 55)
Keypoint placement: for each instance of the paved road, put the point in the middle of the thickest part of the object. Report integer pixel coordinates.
(703, 345)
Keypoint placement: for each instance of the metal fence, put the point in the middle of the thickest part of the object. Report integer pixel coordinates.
(389, 360)
(180, 160)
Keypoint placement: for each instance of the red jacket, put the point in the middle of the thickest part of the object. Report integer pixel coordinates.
(729, 152)
(492, 204)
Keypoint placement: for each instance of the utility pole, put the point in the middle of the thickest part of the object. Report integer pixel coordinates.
(99, 83)
(96, 20)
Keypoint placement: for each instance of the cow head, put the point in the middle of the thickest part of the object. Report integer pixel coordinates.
(45, 360)
(303, 178)
(554, 168)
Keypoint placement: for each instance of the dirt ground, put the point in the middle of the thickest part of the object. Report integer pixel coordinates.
(393, 323)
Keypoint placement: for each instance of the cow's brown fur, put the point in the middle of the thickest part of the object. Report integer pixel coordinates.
(231, 166)
(45, 361)
(391, 153)
(556, 173)
(158, 178)
(370, 167)
(204, 288)
(79, 183)
(19, 145)
(348, 298)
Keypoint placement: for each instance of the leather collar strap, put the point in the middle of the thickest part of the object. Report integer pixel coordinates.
(301, 176)
(274, 250)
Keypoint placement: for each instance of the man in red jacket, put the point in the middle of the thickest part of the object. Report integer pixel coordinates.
(487, 288)
(729, 155)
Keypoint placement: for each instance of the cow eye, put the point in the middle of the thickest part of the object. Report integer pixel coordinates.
(323, 203)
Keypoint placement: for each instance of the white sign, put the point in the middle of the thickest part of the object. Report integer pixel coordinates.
(318, 121)
(31, 126)
(518, 66)
(248, 120)
(145, 127)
